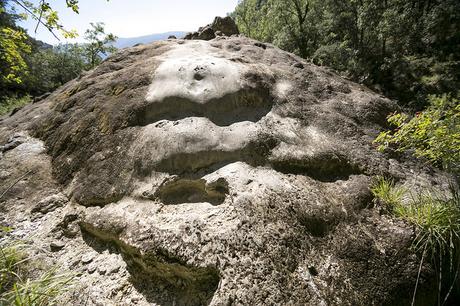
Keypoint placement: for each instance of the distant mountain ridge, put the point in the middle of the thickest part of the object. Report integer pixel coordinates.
(124, 42)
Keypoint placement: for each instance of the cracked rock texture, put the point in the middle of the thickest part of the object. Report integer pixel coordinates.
(221, 172)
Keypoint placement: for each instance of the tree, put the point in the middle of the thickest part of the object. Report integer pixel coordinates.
(297, 17)
(45, 15)
(13, 47)
(407, 49)
(14, 42)
(98, 43)
(251, 17)
(290, 24)
(53, 67)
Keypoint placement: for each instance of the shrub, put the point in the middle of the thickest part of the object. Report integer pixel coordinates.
(433, 134)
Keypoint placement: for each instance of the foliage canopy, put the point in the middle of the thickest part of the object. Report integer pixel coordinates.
(407, 49)
(28, 66)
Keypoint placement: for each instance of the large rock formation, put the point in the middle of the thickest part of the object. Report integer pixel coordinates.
(222, 172)
(219, 27)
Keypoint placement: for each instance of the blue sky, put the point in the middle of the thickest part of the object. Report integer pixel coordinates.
(130, 18)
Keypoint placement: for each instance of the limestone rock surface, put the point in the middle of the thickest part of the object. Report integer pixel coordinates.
(221, 172)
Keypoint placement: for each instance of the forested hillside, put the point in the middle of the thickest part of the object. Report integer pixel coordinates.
(406, 49)
(30, 68)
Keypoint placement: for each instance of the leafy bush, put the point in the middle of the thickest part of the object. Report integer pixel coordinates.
(340, 57)
(12, 64)
(433, 134)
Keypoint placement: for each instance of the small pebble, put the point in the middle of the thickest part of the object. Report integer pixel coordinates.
(87, 258)
(102, 269)
(56, 245)
(92, 268)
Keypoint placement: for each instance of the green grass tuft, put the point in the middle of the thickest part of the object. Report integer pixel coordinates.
(18, 288)
(40, 291)
(437, 222)
(437, 219)
(386, 191)
(11, 258)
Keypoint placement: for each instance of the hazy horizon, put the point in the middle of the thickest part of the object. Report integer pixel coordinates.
(133, 19)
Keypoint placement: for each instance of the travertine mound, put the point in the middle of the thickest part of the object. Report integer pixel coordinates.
(222, 172)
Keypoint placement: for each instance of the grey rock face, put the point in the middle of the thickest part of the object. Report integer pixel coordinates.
(221, 26)
(222, 172)
(50, 203)
(225, 25)
(14, 141)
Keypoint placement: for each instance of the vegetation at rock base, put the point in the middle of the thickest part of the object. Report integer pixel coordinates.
(436, 219)
(20, 287)
(10, 103)
(434, 135)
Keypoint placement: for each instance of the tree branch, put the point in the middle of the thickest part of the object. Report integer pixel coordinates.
(39, 17)
(36, 17)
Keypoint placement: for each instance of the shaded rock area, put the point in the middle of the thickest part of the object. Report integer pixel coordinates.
(220, 172)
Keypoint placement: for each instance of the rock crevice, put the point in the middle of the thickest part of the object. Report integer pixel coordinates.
(164, 278)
